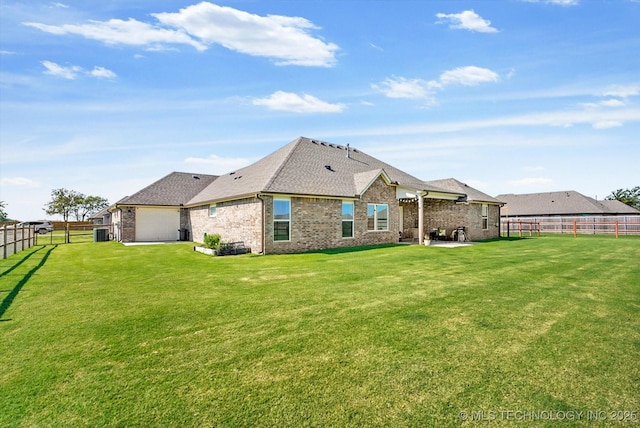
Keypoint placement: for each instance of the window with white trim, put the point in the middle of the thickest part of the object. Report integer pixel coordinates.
(485, 216)
(347, 219)
(213, 210)
(377, 217)
(281, 220)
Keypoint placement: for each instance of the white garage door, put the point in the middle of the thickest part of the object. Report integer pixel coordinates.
(157, 224)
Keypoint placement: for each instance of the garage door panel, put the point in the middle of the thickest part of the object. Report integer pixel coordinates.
(157, 224)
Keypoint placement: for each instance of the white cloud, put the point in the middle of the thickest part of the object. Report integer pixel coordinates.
(287, 101)
(218, 164)
(3, 52)
(468, 76)
(553, 118)
(117, 31)
(611, 103)
(606, 124)
(622, 91)
(19, 182)
(284, 38)
(72, 72)
(69, 73)
(531, 181)
(400, 87)
(556, 2)
(467, 20)
(103, 73)
(533, 168)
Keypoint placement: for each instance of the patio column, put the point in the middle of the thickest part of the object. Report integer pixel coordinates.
(420, 218)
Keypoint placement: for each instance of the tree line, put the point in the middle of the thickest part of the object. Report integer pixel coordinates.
(630, 197)
(71, 203)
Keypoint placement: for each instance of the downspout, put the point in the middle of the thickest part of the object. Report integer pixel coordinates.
(420, 218)
(262, 223)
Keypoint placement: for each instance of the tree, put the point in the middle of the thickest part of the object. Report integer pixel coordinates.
(630, 197)
(67, 202)
(90, 205)
(3, 213)
(62, 202)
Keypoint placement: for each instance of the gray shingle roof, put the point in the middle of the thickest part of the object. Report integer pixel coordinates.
(174, 189)
(473, 195)
(618, 207)
(560, 203)
(307, 167)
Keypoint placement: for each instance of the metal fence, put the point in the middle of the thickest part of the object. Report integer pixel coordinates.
(576, 225)
(14, 240)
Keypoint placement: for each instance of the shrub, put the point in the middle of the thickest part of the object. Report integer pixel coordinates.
(212, 241)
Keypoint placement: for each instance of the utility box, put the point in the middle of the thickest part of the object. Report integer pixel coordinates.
(100, 235)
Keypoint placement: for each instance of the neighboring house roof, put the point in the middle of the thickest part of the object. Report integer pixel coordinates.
(560, 203)
(308, 167)
(100, 214)
(473, 195)
(174, 189)
(619, 207)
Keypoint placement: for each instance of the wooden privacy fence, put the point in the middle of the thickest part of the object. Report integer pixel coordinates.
(582, 225)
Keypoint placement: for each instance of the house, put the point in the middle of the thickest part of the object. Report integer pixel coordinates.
(567, 212)
(157, 212)
(101, 217)
(311, 195)
(565, 203)
(477, 210)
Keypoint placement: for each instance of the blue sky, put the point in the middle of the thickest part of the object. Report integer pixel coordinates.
(508, 96)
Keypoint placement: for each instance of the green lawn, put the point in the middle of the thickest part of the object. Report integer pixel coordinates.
(98, 334)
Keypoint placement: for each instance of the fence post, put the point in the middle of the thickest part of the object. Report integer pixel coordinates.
(520, 228)
(15, 239)
(67, 238)
(575, 229)
(616, 228)
(508, 228)
(4, 238)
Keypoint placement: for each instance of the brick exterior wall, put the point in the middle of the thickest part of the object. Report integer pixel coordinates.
(239, 220)
(127, 224)
(442, 214)
(316, 223)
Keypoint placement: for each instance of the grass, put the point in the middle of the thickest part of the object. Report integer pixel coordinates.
(99, 334)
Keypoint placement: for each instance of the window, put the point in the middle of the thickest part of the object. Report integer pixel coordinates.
(485, 216)
(212, 210)
(377, 217)
(347, 219)
(281, 220)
